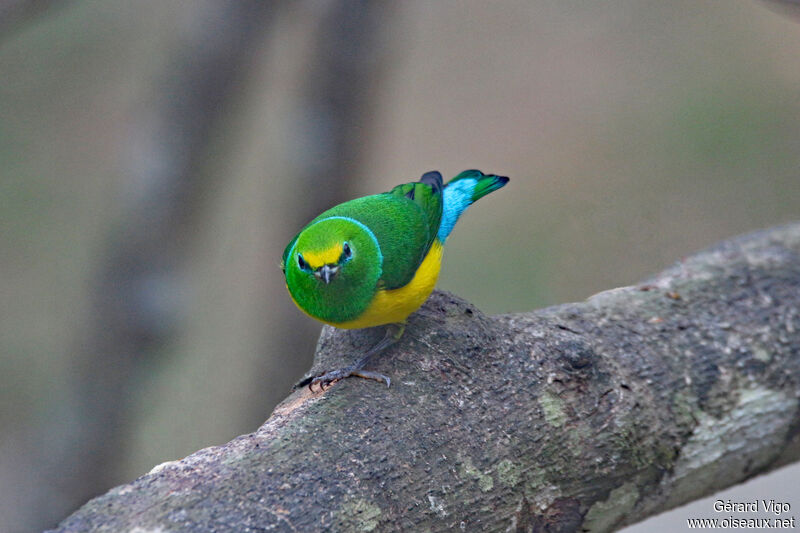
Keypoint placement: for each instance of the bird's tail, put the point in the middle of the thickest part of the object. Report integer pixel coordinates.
(461, 191)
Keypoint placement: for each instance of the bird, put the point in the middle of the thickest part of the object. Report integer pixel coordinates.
(374, 260)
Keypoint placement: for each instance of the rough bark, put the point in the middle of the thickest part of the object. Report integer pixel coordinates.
(581, 416)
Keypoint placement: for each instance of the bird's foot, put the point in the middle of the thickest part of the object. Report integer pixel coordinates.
(393, 333)
(327, 379)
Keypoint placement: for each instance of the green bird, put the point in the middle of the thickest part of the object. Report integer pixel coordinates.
(374, 260)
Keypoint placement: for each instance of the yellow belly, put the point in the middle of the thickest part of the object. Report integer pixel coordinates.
(391, 306)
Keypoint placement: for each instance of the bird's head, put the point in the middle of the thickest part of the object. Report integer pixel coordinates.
(325, 261)
(334, 262)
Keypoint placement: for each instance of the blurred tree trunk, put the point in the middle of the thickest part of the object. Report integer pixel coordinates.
(15, 14)
(138, 295)
(143, 290)
(297, 142)
(345, 64)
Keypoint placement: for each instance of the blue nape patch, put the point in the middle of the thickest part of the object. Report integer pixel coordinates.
(456, 199)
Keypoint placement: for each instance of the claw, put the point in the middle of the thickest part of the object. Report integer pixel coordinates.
(326, 379)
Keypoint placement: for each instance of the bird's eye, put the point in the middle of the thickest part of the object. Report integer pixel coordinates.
(346, 251)
(301, 262)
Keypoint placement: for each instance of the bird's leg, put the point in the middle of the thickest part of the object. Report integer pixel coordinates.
(393, 334)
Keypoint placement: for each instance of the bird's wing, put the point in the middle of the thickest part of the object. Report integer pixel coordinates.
(404, 221)
(427, 194)
(420, 203)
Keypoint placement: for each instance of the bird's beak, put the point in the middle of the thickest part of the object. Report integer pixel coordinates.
(326, 273)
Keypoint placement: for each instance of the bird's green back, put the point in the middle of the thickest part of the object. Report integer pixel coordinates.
(404, 221)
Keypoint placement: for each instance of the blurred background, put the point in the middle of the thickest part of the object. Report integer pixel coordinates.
(156, 156)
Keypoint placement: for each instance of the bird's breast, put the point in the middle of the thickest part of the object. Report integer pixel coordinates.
(394, 305)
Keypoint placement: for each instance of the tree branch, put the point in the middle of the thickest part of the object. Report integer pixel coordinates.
(585, 416)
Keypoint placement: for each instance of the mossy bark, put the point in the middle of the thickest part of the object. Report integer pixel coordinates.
(584, 416)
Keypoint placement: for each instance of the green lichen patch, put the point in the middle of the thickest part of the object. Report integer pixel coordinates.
(359, 515)
(553, 409)
(535, 480)
(760, 354)
(508, 473)
(578, 437)
(724, 449)
(603, 516)
(485, 481)
(685, 408)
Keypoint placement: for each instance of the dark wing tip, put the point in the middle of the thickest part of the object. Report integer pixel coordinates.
(434, 179)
